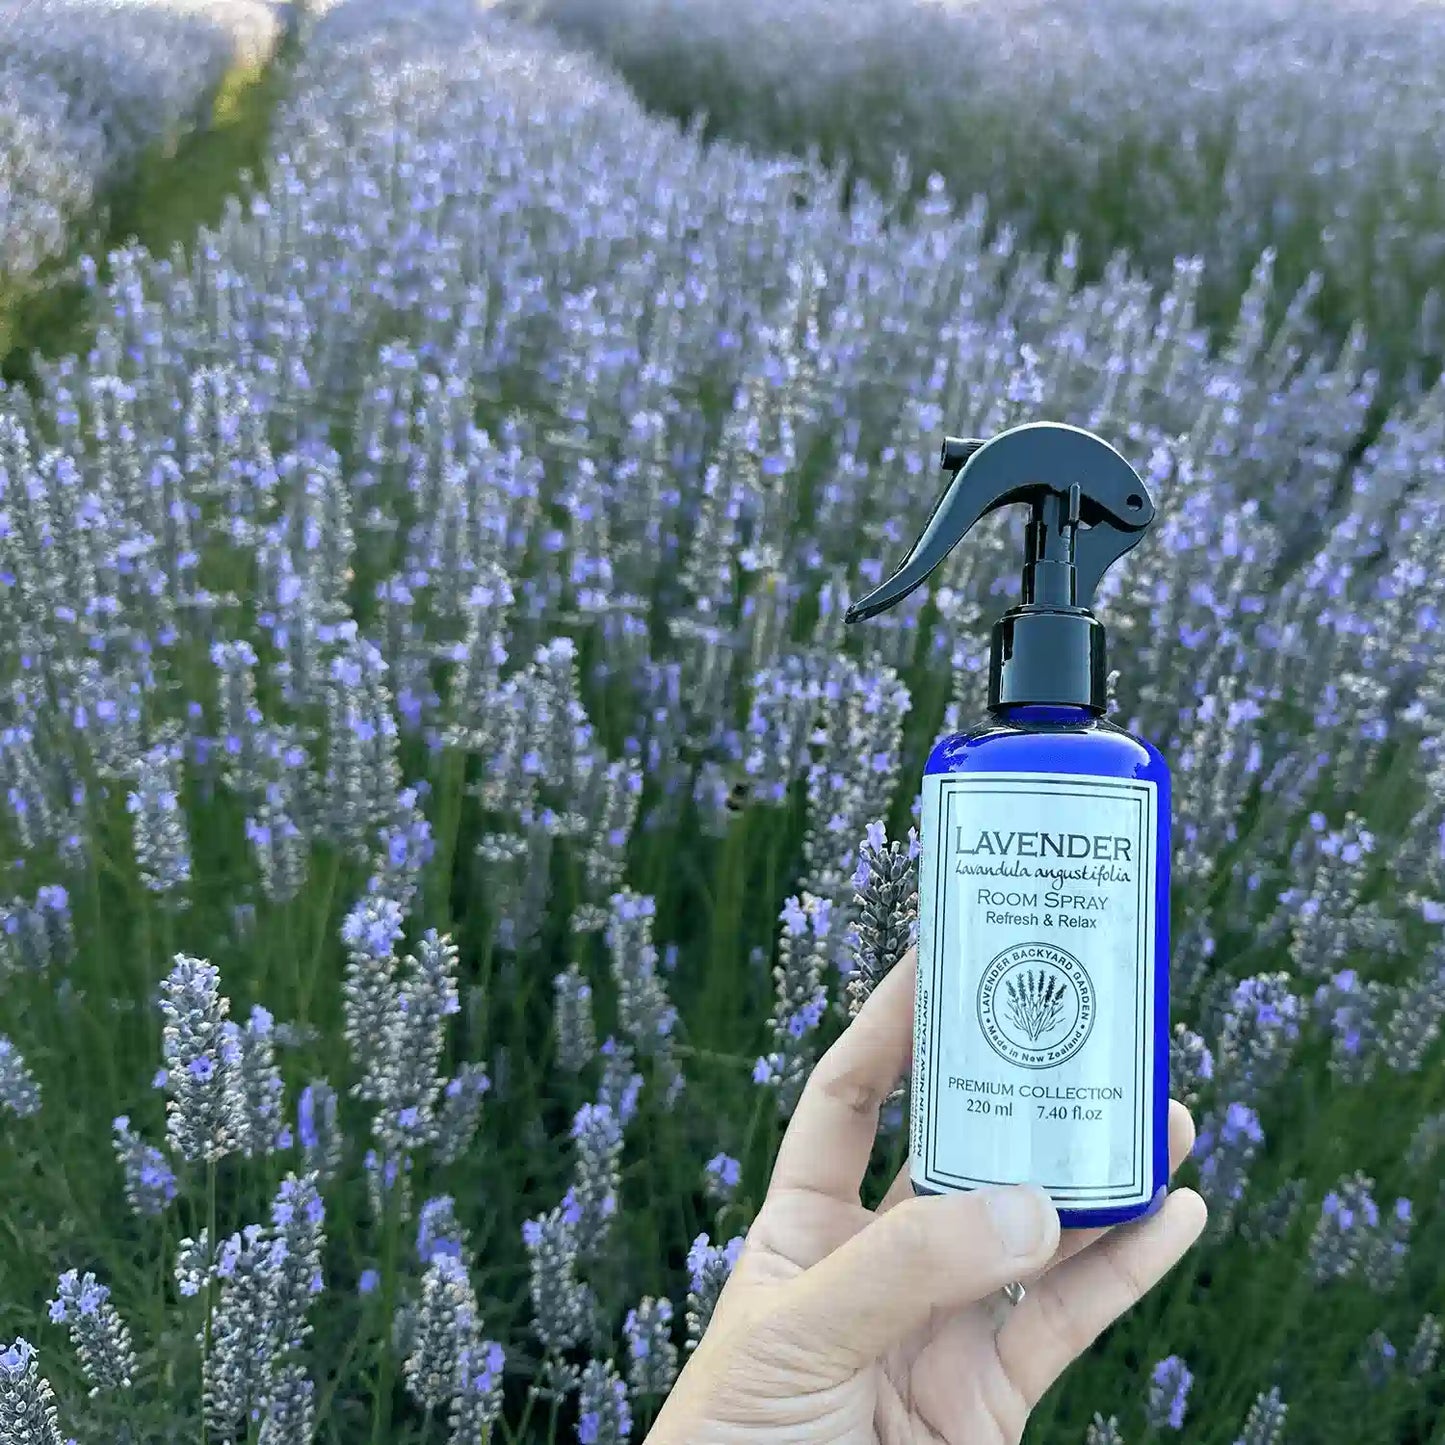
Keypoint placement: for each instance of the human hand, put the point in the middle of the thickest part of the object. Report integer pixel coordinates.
(843, 1325)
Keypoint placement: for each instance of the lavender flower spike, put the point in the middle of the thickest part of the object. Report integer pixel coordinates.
(150, 1182)
(101, 1338)
(1168, 1393)
(202, 1113)
(801, 999)
(445, 1334)
(572, 1015)
(605, 1416)
(1264, 1425)
(708, 1266)
(19, 1091)
(1103, 1432)
(652, 1356)
(370, 932)
(886, 893)
(27, 1403)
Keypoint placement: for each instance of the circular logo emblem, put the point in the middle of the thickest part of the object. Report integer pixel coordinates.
(1036, 1005)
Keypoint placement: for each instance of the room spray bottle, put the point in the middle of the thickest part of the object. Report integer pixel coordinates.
(1041, 1043)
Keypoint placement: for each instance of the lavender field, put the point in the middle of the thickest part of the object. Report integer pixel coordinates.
(442, 815)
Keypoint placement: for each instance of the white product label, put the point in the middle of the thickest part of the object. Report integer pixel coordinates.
(1033, 1055)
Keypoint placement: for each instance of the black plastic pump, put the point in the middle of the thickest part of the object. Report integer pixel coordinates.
(1088, 508)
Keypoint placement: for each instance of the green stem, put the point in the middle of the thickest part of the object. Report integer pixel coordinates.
(313, 970)
(453, 771)
(210, 1286)
(381, 1406)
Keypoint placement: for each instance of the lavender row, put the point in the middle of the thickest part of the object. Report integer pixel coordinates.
(88, 86)
(1182, 128)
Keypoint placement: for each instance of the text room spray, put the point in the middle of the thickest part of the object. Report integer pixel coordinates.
(1041, 1043)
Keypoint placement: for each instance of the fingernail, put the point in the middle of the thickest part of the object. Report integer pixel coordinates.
(1019, 1216)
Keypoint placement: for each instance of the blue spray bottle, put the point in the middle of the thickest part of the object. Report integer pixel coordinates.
(1041, 1040)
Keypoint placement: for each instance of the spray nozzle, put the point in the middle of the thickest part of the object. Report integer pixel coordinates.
(1088, 507)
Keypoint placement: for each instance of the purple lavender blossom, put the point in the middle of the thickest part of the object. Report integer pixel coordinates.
(721, 1177)
(596, 1175)
(1424, 1349)
(562, 1304)
(27, 1403)
(1264, 1425)
(150, 1183)
(708, 1267)
(1103, 1431)
(317, 1131)
(652, 1355)
(162, 846)
(19, 1090)
(458, 1112)
(572, 1015)
(886, 895)
(801, 999)
(1229, 1139)
(1169, 1383)
(646, 1014)
(101, 1338)
(604, 1413)
(203, 1110)
(438, 1231)
(1353, 1239)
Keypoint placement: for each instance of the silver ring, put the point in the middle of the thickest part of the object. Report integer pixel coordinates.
(1014, 1293)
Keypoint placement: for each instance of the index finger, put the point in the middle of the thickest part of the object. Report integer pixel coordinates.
(829, 1141)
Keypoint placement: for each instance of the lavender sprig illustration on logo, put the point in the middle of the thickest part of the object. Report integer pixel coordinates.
(1036, 1003)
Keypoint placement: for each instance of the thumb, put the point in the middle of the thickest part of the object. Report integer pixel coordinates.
(930, 1253)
